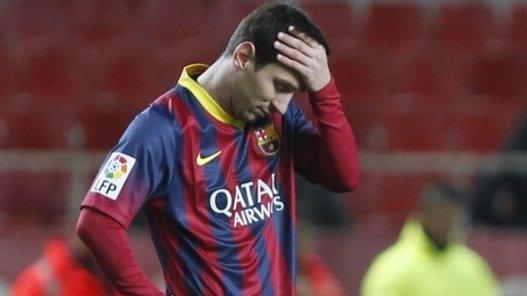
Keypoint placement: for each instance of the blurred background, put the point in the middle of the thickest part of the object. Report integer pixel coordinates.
(435, 90)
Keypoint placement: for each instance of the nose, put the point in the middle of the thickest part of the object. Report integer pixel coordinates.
(280, 103)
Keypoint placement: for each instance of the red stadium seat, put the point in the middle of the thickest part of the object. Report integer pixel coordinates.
(388, 71)
(89, 72)
(400, 194)
(3, 132)
(499, 74)
(396, 27)
(29, 19)
(442, 122)
(369, 72)
(38, 197)
(38, 129)
(171, 59)
(128, 76)
(100, 21)
(395, 195)
(123, 73)
(43, 67)
(168, 21)
(464, 28)
(4, 20)
(416, 122)
(518, 28)
(103, 128)
(483, 124)
(229, 15)
(7, 76)
(353, 74)
(501, 249)
(103, 22)
(483, 133)
(414, 132)
(431, 73)
(335, 18)
(361, 111)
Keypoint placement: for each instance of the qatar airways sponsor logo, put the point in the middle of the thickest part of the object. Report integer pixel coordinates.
(249, 202)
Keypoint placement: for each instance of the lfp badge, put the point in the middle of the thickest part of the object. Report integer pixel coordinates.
(267, 139)
(112, 177)
(116, 168)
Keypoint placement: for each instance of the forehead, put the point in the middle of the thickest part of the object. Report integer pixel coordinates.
(282, 73)
(446, 207)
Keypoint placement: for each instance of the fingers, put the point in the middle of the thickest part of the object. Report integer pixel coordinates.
(302, 53)
(292, 63)
(292, 53)
(296, 43)
(303, 36)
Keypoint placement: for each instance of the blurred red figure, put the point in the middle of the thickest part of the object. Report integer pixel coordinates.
(315, 278)
(59, 273)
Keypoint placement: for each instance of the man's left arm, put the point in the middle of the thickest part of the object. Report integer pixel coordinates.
(325, 153)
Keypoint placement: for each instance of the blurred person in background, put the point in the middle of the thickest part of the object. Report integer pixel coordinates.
(428, 259)
(314, 276)
(211, 164)
(65, 269)
(318, 210)
(500, 198)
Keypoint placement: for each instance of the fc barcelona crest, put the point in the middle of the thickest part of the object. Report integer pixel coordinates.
(267, 139)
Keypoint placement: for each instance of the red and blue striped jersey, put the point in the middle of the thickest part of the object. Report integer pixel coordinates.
(218, 193)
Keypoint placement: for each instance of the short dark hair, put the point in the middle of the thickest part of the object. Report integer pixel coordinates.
(262, 26)
(442, 192)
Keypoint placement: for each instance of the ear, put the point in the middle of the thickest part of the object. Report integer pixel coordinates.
(243, 54)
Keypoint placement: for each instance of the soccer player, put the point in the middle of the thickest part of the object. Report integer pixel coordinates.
(211, 164)
(427, 259)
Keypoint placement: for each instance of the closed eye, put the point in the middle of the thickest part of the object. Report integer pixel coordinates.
(283, 88)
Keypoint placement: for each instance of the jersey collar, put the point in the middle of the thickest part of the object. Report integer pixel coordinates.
(204, 98)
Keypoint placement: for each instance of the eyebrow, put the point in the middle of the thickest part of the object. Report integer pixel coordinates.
(288, 84)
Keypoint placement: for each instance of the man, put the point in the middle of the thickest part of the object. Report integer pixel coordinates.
(500, 197)
(211, 163)
(427, 260)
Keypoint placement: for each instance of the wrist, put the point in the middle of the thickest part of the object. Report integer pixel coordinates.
(329, 90)
(321, 85)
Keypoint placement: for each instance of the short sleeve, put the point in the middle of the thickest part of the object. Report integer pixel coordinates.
(137, 168)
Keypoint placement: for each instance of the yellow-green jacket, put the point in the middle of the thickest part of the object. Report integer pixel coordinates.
(414, 267)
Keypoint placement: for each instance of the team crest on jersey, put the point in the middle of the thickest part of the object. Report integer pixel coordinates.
(268, 139)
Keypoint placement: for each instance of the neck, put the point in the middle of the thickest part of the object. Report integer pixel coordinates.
(216, 81)
(437, 243)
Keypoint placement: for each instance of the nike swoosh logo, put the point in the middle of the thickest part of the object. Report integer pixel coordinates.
(201, 161)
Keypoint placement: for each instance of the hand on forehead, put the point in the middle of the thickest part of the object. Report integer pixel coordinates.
(304, 55)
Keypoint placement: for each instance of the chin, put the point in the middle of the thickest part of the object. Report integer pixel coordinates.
(252, 117)
(249, 117)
